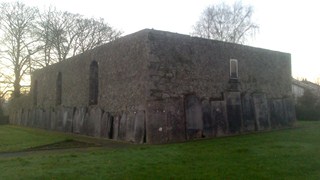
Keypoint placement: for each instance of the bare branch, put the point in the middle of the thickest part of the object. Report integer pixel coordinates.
(226, 23)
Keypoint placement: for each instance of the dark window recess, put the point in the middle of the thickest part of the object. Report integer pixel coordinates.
(233, 69)
(35, 92)
(110, 134)
(93, 83)
(59, 89)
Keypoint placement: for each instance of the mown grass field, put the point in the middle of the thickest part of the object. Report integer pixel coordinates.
(284, 154)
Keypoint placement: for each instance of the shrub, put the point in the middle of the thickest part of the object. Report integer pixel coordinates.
(308, 107)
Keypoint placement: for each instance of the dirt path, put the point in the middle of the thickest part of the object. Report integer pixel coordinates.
(67, 146)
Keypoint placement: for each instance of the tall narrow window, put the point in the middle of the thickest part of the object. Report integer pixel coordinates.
(233, 69)
(93, 83)
(35, 92)
(59, 89)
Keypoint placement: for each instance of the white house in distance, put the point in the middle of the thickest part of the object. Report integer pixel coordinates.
(299, 87)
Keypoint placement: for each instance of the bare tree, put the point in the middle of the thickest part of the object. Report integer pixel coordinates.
(64, 34)
(5, 84)
(18, 43)
(226, 23)
(44, 57)
(93, 33)
(63, 31)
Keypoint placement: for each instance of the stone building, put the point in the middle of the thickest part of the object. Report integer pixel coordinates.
(158, 87)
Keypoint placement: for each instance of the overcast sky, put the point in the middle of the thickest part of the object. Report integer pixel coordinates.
(288, 26)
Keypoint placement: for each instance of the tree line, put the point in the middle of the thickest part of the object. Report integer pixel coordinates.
(33, 38)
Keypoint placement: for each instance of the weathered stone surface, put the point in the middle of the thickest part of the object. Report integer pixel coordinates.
(167, 79)
(130, 126)
(289, 110)
(67, 119)
(116, 125)
(38, 118)
(156, 122)
(139, 127)
(32, 118)
(176, 124)
(208, 120)
(219, 115)
(110, 127)
(59, 118)
(94, 123)
(105, 125)
(194, 121)
(261, 111)
(53, 119)
(19, 118)
(86, 127)
(234, 111)
(47, 123)
(277, 113)
(97, 122)
(248, 117)
(25, 118)
(78, 119)
(122, 127)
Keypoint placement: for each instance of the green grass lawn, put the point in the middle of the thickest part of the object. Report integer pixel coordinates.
(286, 154)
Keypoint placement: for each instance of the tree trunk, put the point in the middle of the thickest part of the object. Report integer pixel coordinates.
(16, 85)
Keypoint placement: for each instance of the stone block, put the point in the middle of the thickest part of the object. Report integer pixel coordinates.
(59, 119)
(207, 119)
(105, 125)
(21, 116)
(219, 115)
(289, 111)
(86, 127)
(234, 112)
(139, 127)
(176, 124)
(130, 126)
(277, 113)
(78, 119)
(261, 110)
(53, 119)
(156, 124)
(94, 123)
(194, 120)
(32, 120)
(25, 118)
(75, 120)
(39, 118)
(47, 122)
(67, 119)
(110, 127)
(116, 125)
(248, 117)
(97, 122)
(122, 127)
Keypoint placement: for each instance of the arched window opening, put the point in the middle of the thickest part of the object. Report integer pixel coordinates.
(35, 92)
(234, 69)
(59, 89)
(93, 83)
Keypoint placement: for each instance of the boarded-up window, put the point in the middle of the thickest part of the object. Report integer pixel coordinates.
(35, 92)
(93, 83)
(59, 89)
(233, 69)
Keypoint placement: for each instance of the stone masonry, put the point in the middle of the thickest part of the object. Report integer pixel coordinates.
(159, 87)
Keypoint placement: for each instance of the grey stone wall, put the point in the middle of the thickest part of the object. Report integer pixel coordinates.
(183, 65)
(160, 87)
(122, 76)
